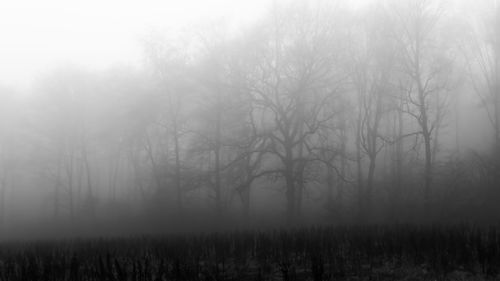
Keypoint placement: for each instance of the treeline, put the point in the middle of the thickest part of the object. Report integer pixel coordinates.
(353, 114)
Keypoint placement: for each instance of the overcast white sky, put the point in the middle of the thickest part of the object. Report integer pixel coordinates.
(35, 36)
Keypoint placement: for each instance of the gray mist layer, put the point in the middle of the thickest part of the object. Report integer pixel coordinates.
(315, 113)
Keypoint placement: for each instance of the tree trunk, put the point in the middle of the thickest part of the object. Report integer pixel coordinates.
(367, 204)
(156, 170)
(245, 200)
(3, 187)
(330, 182)
(299, 174)
(114, 165)
(69, 173)
(428, 169)
(57, 186)
(426, 133)
(217, 151)
(90, 196)
(343, 165)
(397, 165)
(178, 186)
(290, 186)
(359, 171)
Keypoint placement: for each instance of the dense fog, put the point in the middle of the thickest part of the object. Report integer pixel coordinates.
(309, 112)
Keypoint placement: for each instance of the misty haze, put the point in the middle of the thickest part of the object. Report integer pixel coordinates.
(250, 140)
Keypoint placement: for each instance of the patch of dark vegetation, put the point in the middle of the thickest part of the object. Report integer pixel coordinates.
(402, 252)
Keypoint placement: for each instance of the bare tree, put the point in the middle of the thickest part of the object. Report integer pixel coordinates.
(296, 73)
(170, 65)
(482, 56)
(65, 106)
(427, 68)
(373, 73)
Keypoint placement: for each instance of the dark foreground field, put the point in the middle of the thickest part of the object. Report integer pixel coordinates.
(322, 253)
